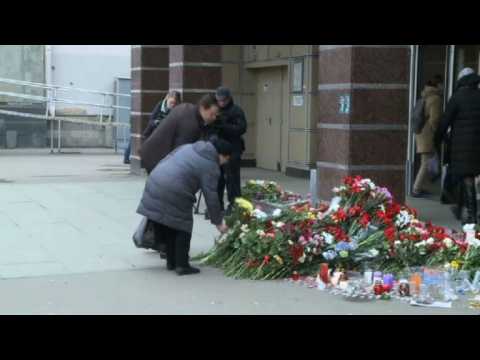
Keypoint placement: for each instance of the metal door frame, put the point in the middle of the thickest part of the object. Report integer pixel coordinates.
(414, 59)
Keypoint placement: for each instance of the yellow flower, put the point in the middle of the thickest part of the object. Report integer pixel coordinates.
(279, 259)
(311, 216)
(244, 204)
(455, 265)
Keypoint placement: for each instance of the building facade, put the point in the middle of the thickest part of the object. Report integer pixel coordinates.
(340, 109)
(92, 67)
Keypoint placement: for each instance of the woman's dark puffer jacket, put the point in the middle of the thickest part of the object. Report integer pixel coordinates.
(463, 116)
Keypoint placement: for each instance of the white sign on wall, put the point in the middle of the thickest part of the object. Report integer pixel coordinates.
(297, 100)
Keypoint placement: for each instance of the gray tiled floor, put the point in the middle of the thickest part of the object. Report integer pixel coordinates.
(66, 227)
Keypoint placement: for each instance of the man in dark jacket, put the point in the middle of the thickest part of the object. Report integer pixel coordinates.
(230, 126)
(184, 125)
(462, 115)
(169, 196)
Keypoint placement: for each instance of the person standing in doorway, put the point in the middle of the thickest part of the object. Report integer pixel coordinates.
(462, 116)
(169, 197)
(432, 96)
(230, 126)
(159, 113)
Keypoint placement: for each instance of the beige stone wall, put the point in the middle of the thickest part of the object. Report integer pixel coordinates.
(240, 65)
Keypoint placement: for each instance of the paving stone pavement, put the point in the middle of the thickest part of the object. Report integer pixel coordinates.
(65, 248)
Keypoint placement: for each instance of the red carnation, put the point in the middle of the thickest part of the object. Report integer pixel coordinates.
(384, 217)
(462, 245)
(380, 214)
(338, 233)
(390, 233)
(339, 216)
(348, 180)
(365, 219)
(356, 188)
(436, 246)
(296, 251)
(357, 179)
(393, 210)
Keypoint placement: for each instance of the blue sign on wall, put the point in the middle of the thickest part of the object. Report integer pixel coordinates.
(344, 104)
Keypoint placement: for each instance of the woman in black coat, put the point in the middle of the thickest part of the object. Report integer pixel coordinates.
(160, 112)
(462, 115)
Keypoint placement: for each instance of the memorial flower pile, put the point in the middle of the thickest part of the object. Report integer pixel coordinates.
(361, 226)
(267, 246)
(269, 191)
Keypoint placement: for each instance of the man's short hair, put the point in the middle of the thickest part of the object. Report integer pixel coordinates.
(207, 101)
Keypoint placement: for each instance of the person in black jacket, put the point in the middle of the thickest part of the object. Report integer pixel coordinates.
(159, 113)
(230, 126)
(462, 115)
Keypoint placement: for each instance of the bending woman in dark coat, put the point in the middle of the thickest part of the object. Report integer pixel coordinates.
(169, 197)
(462, 115)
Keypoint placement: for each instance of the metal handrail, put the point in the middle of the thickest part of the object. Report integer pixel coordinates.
(51, 100)
(62, 118)
(58, 87)
(65, 101)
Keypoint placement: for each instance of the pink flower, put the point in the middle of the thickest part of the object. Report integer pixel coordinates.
(302, 240)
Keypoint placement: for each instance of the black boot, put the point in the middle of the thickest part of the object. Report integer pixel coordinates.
(470, 200)
(459, 198)
(161, 249)
(182, 247)
(170, 254)
(456, 211)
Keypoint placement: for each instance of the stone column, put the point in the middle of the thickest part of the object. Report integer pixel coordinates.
(195, 70)
(149, 85)
(362, 118)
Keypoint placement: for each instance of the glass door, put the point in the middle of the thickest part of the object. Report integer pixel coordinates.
(427, 62)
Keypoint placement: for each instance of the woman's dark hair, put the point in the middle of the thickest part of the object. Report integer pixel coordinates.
(223, 147)
(207, 101)
(435, 81)
(175, 94)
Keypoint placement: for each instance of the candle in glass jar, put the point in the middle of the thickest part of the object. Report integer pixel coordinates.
(324, 273)
(388, 280)
(415, 281)
(377, 276)
(378, 288)
(368, 276)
